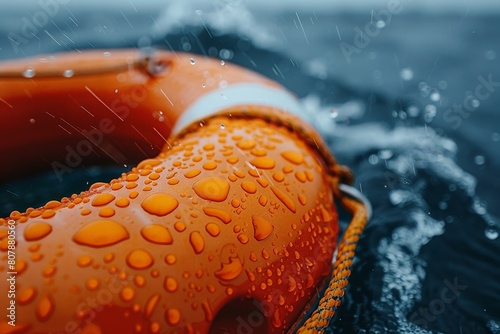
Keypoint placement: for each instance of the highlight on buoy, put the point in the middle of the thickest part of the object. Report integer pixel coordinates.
(226, 225)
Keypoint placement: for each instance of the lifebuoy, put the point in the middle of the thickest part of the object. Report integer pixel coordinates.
(227, 225)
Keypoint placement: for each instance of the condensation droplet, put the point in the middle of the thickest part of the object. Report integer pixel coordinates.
(159, 204)
(249, 187)
(197, 242)
(157, 234)
(173, 316)
(192, 61)
(26, 296)
(139, 259)
(44, 308)
(127, 294)
(92, 284)
(37, 231)
(192, 173)
(231, 270)
(262, 228)
(263, 162)
(102, 199)
(284, 198)
(29, 73)
(151, 305)
(84, 261)
(68, 73)
(101, 233)
(212, 189)
(212, 229)
(170, 284)
(294, 157)
(292, 285)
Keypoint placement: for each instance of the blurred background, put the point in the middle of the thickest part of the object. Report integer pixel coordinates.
(405, 92)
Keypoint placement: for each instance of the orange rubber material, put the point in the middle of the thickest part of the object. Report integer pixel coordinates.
(228, 226)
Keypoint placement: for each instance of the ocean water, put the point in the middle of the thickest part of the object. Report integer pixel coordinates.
(408, 101)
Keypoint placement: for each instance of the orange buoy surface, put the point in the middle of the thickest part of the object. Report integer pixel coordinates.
(228, 223)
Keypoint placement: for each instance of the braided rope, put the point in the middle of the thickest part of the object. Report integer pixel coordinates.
(330, 302)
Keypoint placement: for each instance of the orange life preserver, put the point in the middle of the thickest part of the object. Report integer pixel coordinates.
(228, 225)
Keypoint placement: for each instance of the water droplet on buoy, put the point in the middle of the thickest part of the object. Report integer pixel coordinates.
(157, 234)
(209, 165)
(49, 271)
(32, 120)
(84, 261)
(170, 259)
(263, 162)
(197, 242)
(139, 259)
(231, 270)
(151, 305)
(284, 198)
(26, 296)
(262, 228)
(249, 187)
(224, 216)
(291, 284)
(102, 199)
(37, 231)
(192, 173)
(246, 144)
(222, 63)
(29, 73)
(170, 284)
(192, 61)
(127, 294)
(212, 229)
(159, 204)
(101, 233)
(92, 284)
(293, 157)
(173, 316)
(212, 189)
(44, 308)
(68, 73)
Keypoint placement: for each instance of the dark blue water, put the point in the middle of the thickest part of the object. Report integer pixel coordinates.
(412, 110)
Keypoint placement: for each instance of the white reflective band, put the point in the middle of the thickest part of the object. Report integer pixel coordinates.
(239, 94)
